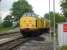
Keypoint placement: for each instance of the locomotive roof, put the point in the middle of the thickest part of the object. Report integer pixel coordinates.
(30, 14)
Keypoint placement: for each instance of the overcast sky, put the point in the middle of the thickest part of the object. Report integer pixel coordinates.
(40, 7)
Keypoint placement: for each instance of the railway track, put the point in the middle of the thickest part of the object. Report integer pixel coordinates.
(9, 34)
(37, 43)
(12, 42)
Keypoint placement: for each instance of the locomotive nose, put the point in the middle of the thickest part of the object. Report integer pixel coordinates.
(26, 29)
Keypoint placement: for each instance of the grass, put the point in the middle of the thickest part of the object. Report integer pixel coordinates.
(63, 48)
(4, 29)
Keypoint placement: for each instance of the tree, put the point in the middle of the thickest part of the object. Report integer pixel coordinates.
(7, 18)
(7, 21)
(64, 7)
(58, 18)
(7, 24)
(20, 7)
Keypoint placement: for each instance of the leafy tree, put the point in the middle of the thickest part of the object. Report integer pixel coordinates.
(7, 24)
(7, 21)
(58, 18)
(64, 7)
(7, 18)
(20, 7)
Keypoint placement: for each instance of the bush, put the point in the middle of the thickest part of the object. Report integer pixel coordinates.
(7, 24)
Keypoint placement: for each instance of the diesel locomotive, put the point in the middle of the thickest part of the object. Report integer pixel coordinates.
(31, 25)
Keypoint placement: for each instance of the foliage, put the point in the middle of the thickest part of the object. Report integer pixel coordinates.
(20, 7)
(63, 48)
(58, 18)
(64, 7)
(0, 25)
(8, 18)
(5, 29)
(7, 24)
(7, 21)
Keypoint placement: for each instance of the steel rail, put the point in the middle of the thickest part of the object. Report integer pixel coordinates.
(6, 33)
(13, 43)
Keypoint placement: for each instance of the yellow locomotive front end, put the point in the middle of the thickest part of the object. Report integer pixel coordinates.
(27, 24)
